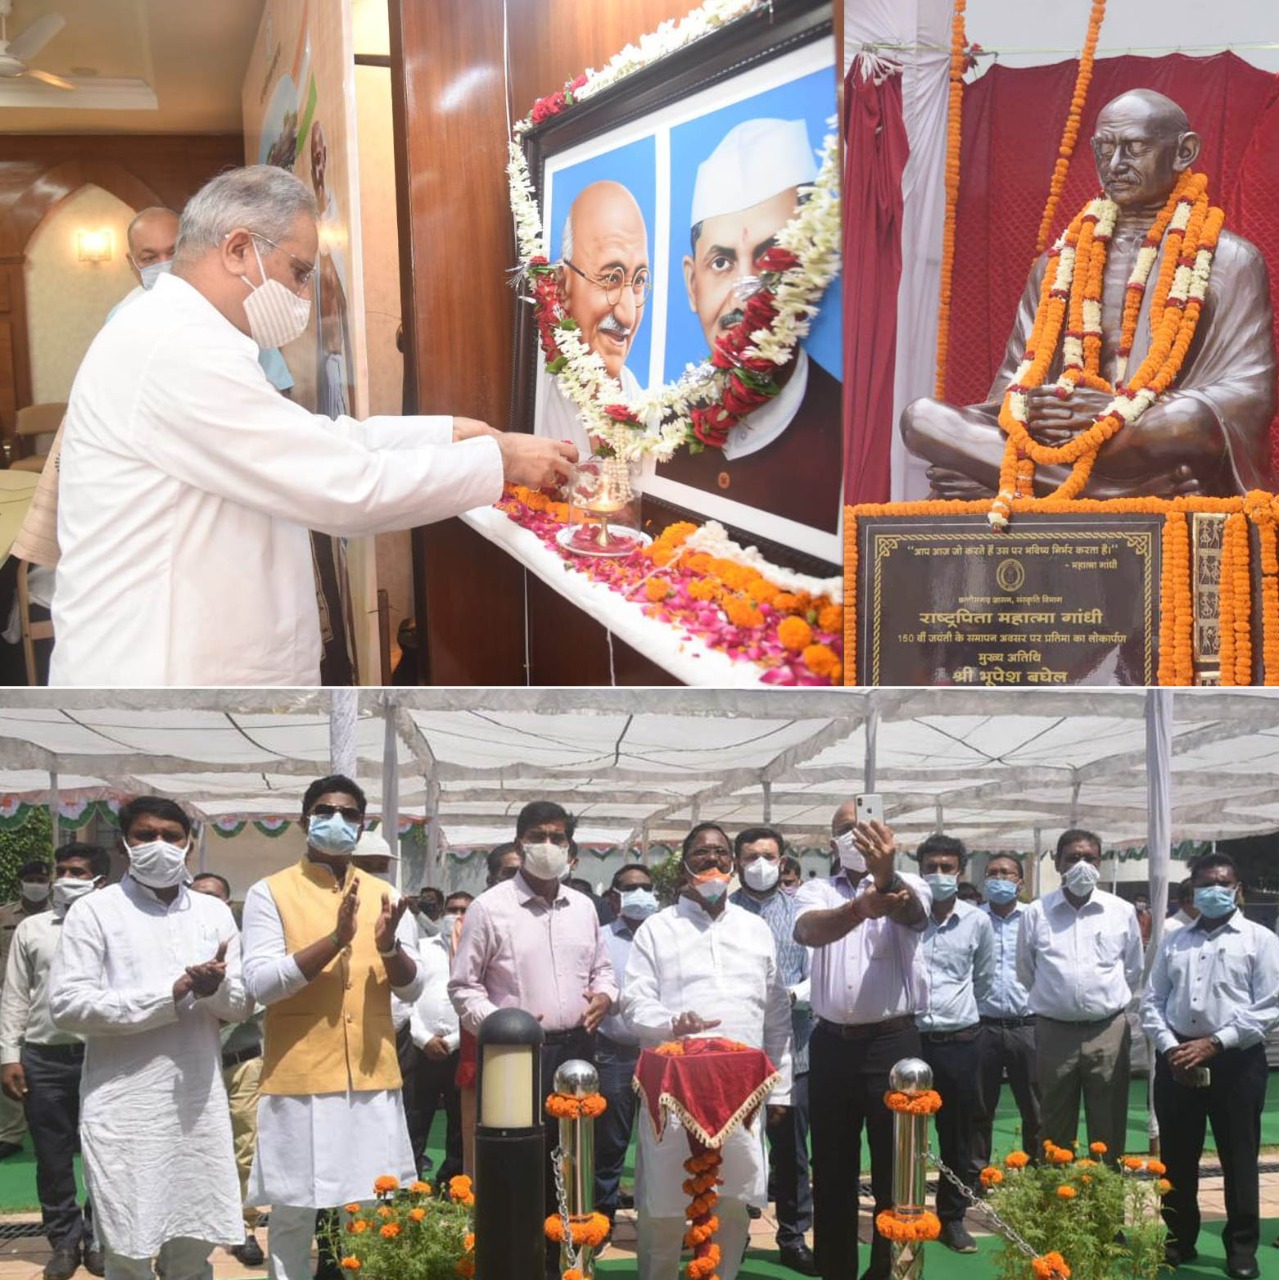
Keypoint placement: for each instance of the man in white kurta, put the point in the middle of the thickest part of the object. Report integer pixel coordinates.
(188, 486)
(155, 1129)
(704, 966)
(322, 1139)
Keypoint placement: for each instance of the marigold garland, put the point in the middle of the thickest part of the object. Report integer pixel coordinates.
(588, 1232)
(563, 1106)
(1051, 1266)
(1236, 603)
(954, 136)
(1070, 134)
(925, 1103)
(703, 1167)
(920, 1227)
(1262, 515)
(691, 1046)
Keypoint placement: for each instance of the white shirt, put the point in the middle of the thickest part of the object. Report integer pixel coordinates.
(1179, 920)
(1079, 964)
(960, 957)
(556, 417)
(155, 1127)
(875, 971)
(725, 967)
(321, 1149)
(433, 1014)
(618, 937)
(189, 484)
(1224, 983)
(24, 1003)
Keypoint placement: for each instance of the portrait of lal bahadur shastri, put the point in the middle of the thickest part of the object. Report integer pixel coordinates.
(605, 279)
(784, 457)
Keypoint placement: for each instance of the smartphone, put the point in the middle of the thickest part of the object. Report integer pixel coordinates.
(869, 808)
(1200, 1077)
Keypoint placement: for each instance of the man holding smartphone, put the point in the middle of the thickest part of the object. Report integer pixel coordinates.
(1213, 997)
(864, 924)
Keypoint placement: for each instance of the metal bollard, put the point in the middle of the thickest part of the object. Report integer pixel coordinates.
(910, 1167)
(575, 1173)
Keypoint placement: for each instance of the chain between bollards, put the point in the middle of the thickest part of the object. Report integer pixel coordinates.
(1009, 1233)
(569, 1255)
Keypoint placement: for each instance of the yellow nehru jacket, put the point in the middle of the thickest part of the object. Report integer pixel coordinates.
(336, 1033)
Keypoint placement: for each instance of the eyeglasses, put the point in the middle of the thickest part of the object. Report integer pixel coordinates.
(328, 810)
(614, 281)
(303, 271)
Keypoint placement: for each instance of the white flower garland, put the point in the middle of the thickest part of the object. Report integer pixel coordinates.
(713, 539)
(663, 417)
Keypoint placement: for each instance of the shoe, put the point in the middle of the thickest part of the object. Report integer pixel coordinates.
(8, 1149)
(95, 1262)
(1176, 1254)
(753, 1213)
(954, 1235)
(799, 1258)
(63, 1263)
(248, 1254)
(1246, 1269)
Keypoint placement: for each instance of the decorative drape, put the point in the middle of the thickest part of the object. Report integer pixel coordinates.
(875, 158)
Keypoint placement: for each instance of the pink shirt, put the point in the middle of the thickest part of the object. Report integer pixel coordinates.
(519, 951)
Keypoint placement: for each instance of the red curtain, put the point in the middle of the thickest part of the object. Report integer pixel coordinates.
(1012, 123)
(874, 159)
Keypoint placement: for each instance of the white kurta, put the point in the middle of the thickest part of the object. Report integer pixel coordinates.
(556, 417)
(155, 1127)
(683, 960)
(319, 1150)
(187, 489)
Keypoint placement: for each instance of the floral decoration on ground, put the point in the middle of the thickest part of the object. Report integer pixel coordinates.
(701, 407)
(702, 583)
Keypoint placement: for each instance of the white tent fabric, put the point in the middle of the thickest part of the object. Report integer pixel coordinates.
(1000, 769)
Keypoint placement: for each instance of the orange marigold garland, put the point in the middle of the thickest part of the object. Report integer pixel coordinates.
(1070, 134)
(1176, 619)
(703, 1177)
(954, 126)
(850, 596)
(1261, 512)
(589, 1231)
(918, 1227)
(925, 1103)
(1236, 603)
(1051, 1266)
(563, 1106)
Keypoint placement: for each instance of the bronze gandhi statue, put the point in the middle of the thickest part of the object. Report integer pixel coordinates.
(1208, 434)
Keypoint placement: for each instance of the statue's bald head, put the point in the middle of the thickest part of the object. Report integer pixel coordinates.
(1142, 145)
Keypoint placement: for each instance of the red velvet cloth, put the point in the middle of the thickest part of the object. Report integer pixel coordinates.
(713, 1091)
(875, 156)
(1013, 118)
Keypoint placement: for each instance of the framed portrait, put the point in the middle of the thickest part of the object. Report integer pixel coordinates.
(659, 197)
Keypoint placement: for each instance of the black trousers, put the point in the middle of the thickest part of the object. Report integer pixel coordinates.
(53, 1119)
(1232, 1103)
(953, 1057)
(788, 1168)
(576, 1044)
(430, 1087)
(1010, 1050)
(847, 1080)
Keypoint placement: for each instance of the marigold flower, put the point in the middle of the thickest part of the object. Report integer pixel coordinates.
(460, 1186)
(831, 618)
(820, 659)
(386, 1183)
(1163, 1186)
(420, 1188)
(353, 1207)
(465, 1267)
(1016, 1159)
(1066, 1193)
(1098, 1148)
(991, 1177)
(390, 1230)
(468, 1243)
(358, 1227)
(657, 589)
(417, 1214)
(350, 1264)
(385, 1212)
(1133, 1163)
(795, 634)
(1157, 1167)
(741, 613)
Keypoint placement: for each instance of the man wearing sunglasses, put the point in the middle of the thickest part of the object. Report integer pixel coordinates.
(324, 949)
(605, 281)
(187, 482)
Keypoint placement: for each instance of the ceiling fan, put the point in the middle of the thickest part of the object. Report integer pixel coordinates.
(15, 54)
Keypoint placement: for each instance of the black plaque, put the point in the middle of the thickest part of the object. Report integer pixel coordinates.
(1053, 600)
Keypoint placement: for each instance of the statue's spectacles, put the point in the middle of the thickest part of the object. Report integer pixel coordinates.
(614, 281)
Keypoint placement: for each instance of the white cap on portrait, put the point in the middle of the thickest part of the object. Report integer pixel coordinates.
(755, 160)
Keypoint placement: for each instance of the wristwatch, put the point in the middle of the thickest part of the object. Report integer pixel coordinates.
(1215, 1041)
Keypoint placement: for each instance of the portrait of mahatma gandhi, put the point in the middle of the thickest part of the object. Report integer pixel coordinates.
(604, 270)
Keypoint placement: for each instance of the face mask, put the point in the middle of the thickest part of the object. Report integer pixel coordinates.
(158, 864)
(850, 856)
(638, 904)
(446, 924)
(711, 886)
(153, 271)
(275, 313)
(546, 861)
(331, 834)
(1081, 878)
(1215, 900)
(761, 874)
(35, 892)
(67, 890)
(944, 887)
(1000, 892)
(790, 890)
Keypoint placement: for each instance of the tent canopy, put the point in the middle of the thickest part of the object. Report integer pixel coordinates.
(1000, 769)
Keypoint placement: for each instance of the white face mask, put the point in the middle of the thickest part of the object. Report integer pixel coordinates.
(67, 890)
(761, 874)
(850, 856)
(153, 271)
(158, 864)
(1081, 878)
(546, 861)
(35, 891)
(275, 313)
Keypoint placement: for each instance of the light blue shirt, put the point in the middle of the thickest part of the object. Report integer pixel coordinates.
(959, 954)
(1007, 998)
(618, 937)
(1224, 983)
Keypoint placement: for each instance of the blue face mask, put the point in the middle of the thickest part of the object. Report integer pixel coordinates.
(638, 904)
(333, 835)
(1215, 900)
(944, 887)
(1000, 892)
(153, 271)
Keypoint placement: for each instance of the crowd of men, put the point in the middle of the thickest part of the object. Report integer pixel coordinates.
(207, 1069)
